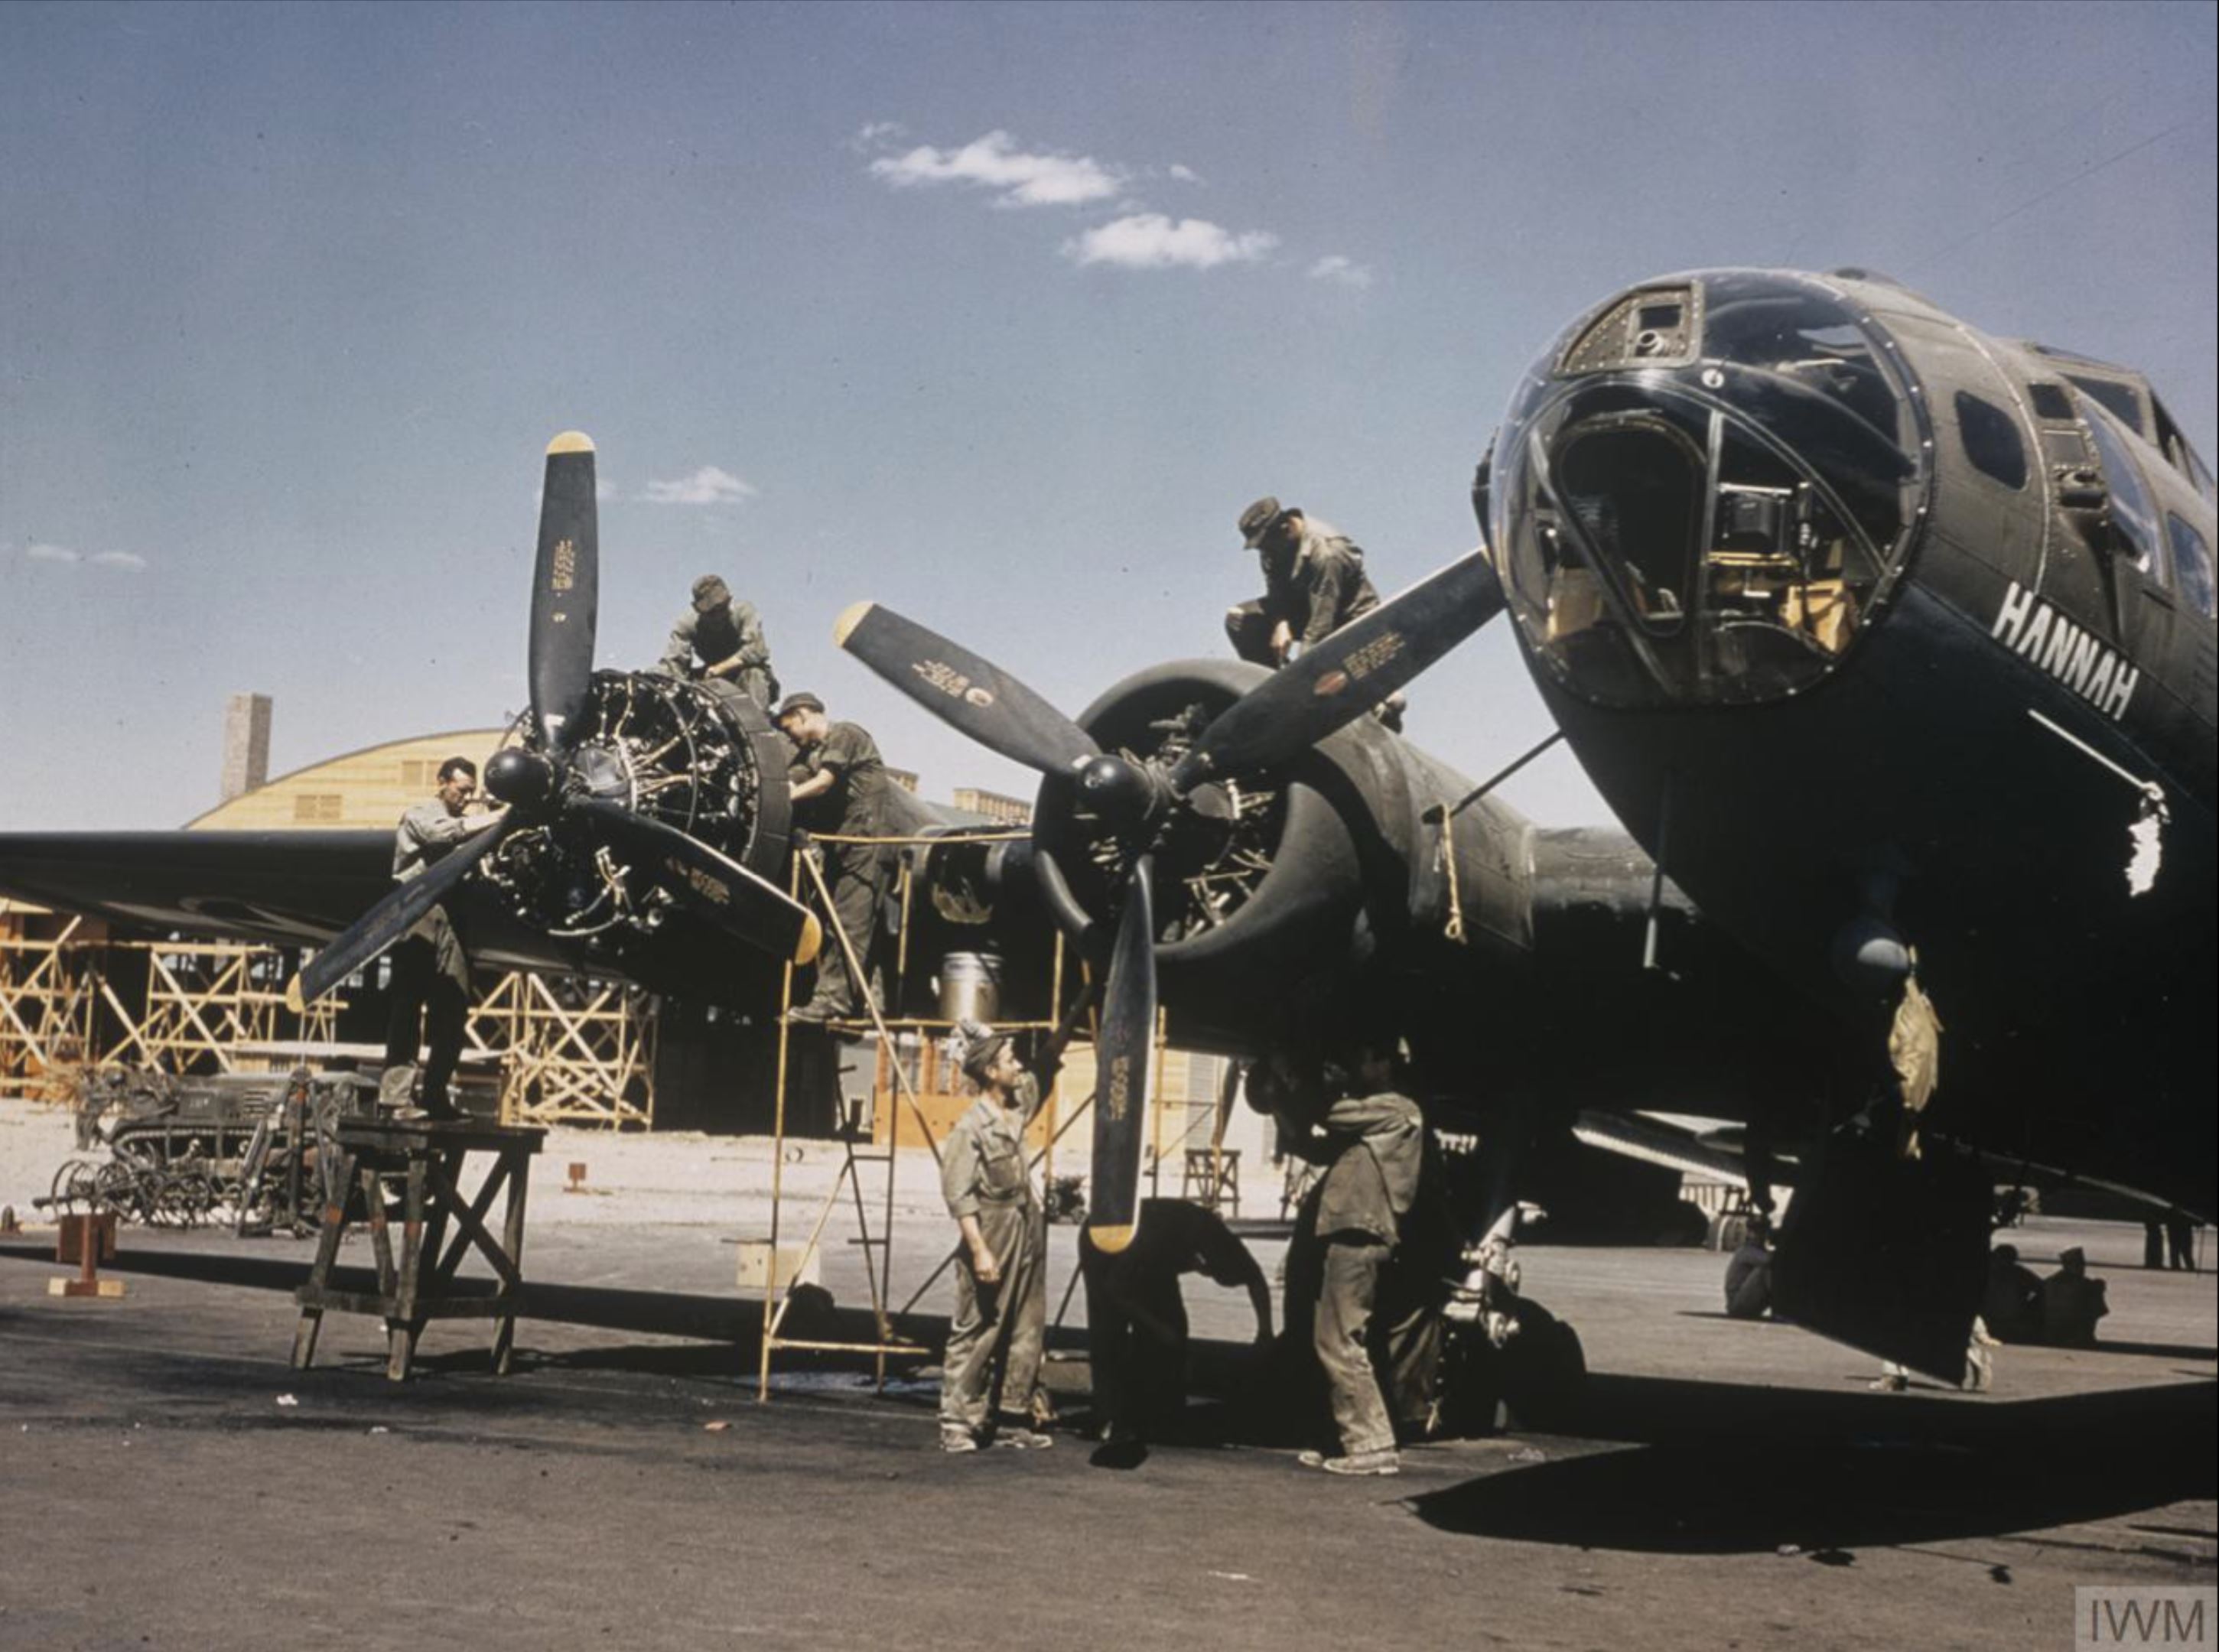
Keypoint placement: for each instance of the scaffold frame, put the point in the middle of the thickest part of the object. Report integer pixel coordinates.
(878, 1249)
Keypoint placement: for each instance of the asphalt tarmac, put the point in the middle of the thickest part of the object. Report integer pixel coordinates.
(169, 1481)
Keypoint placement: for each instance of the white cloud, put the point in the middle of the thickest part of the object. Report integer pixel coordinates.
(1149, 240)
(604, 490)
(872, 133)
(1344, 272)
(995, 163)
(707, 486)
(1184, 174)
(39, 551)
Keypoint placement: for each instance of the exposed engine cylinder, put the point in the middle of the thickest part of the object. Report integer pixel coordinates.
(675, 751)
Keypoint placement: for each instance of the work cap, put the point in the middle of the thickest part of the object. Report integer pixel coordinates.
(710, 590)
(1256, 521)
(799, 703)
(978, 1045)
(2072, 1256)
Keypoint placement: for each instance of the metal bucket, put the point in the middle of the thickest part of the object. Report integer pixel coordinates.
(970, 986)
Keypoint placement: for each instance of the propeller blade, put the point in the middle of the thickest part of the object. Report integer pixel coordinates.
(713, 886)
(970, 694)
(566, 586)
(392, 918)
(1124, 1059)
(1347, 674)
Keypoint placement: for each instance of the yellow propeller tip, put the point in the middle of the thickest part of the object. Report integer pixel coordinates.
(813, 938)
(571, 441)
(850, 617)
(293, 1002)
(1110, 1240)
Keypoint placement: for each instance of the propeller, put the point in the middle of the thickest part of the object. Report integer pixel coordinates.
(1346, 673)
(1124, 1056)
(712, 885)
(566, 586)
(385, 923)
(542, 781)
(1330, 686)
(969, 693)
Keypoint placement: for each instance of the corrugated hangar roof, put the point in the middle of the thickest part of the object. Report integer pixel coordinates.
(364, 789)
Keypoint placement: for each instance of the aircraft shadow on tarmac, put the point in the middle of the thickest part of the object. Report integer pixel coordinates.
(2151, 1350)
(1724, 1468)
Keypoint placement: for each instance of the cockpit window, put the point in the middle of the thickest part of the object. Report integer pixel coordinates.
(2191, 564)
(2119, 398)
(1806, 336)
(2134, 519)
(1713, 530)
(1991, 439)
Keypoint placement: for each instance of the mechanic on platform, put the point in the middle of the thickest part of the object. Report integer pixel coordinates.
(431, 972)
(992, 1365)
(728, 637)
(839, 789)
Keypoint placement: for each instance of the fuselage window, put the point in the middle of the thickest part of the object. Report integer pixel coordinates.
(2191, 564)
(1992, 440)
(2133, 517)
(2050, 401)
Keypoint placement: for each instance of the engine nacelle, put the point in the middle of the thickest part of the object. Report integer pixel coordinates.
(1286, 899)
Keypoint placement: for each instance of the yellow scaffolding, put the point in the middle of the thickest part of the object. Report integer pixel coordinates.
(808, 877)
(570, 1051)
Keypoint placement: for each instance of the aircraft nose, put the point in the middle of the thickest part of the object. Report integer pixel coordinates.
(1696, 500)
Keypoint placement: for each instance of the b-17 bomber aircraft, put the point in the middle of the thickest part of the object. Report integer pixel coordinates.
(1251, 849)
(1893, 644)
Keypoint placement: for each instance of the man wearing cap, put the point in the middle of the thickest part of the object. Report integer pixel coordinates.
(992, 1365)
(839, 787)
(1371, 1142)
(430, 990)
(1314, 584)
(729, 638)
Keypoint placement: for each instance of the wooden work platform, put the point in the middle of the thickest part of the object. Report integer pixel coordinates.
(423, 1162)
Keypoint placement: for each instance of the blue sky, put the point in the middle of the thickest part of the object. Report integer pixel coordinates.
(998, 315)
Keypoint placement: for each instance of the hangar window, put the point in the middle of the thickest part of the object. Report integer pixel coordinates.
(1992, 440)
(2050, 401)
(418, 774)
(2191, 564)
(317, 808)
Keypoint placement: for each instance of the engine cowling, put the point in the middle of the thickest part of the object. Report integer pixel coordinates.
(703, 763)
(1278, 896)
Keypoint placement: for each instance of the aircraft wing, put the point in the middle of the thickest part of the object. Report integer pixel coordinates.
(286, 888)
(1676, 1143)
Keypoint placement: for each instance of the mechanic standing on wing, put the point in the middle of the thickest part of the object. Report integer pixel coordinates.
(1314, 584)
(728, 636)
(992, 1366)
(839, 789)
(431, 972)
(1372, 1143)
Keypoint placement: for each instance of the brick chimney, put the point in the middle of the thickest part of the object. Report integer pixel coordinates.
(245, 743)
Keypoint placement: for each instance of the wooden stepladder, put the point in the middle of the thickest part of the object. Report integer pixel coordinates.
(424, 1162)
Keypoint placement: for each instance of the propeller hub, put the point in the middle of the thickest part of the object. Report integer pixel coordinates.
(1118, 792)
(518, 777)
